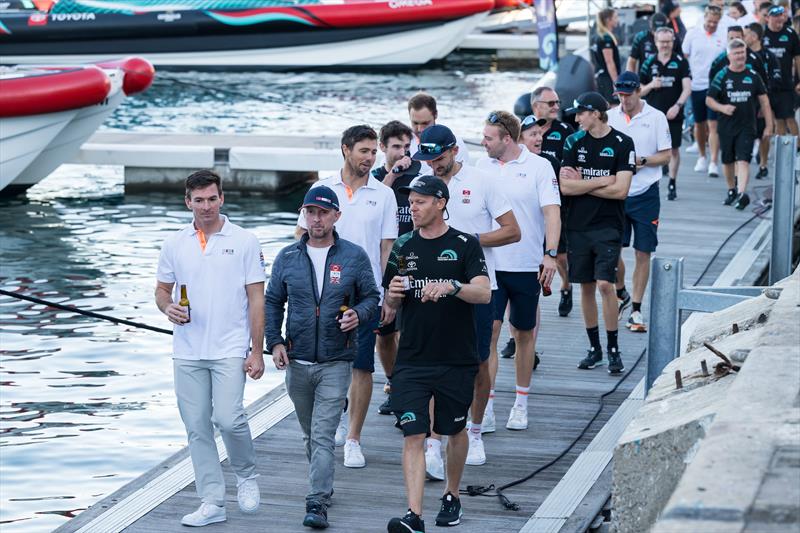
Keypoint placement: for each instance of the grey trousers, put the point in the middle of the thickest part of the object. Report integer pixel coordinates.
(210, 393)
(318, 392)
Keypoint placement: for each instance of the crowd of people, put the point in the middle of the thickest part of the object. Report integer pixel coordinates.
(416, 252)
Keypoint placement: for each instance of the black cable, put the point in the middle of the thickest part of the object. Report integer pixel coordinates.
(85, 313)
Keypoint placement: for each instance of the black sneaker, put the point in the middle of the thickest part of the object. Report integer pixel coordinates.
(624, 302)
(615, 365)
(593, 358)
(565, 305)
(509, 350)
(450, 513)
(762, 173)
(742, 201)
(731, 197)
(672, 190)
(385, 408)
(410, 523)
(536, 359)
(316, 515)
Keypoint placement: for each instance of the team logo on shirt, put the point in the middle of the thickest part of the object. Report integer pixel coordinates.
(729, 84)
(227, 251)
(465, 198)
(748, 80)
(555, 136)
(607, 152)
(672, 64)
(411, 255)
(447, 255)
(372, 203)
(783, 39)
(335, 274)
(407, 417)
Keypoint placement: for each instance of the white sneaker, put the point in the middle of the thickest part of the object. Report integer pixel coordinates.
(488, 425)
(517, 419)
(693, 149)
(248, 495)
(713, 170)
(434, 465)
(476, 455)
(206, 514)
(342, 429)
(701, 165)
(353, 458)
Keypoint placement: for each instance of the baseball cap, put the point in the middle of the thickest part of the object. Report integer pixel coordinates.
(531, 121)
(433, 142)
(429, 186)
(626, 83)
(775, 11)
(322, 197)
(590, 101)
(658, 20)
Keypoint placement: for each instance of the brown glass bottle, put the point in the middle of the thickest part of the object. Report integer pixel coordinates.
(402, 271)
(342, 310)
(184, 302)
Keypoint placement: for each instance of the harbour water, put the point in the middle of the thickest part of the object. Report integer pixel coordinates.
(87, 405)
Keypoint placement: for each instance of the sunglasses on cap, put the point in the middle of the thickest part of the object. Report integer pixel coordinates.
(434, 148)
(528, 122)
(775, 11)
(583, 107)
(627, 86)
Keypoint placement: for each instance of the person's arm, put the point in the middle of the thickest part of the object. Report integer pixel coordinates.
(175, 313)
(367, 294)
(254, 363)
(725, 109)
(507, 233)
(552, 229)
(658, 159)
(611, 67)
(631, 64)
(617, 190)
(386, 248)
(572, 184)
(766, 110)
(274, 305)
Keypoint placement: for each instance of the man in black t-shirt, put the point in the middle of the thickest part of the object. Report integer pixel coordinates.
(435, 274)
(596, 173)
(643, 46)
(784, 43)
(667, 85)
(397, 171)
(735, 93)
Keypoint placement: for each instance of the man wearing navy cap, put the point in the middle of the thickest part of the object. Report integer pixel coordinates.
(597, 169)
(329, 287)
(445, 276)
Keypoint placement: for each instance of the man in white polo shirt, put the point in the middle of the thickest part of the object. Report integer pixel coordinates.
(649, 129)
(532, 189)
(369, 219)
(216, 340)
(476, 204)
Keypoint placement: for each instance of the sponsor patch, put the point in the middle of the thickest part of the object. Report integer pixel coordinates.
(448, 255)
(407, 417)
(227, 251)
(335, 276)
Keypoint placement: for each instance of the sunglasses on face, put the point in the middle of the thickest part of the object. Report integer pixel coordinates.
(551, 103)
(434, 148)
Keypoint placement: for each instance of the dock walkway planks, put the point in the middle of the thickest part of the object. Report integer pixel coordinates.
(563, 400)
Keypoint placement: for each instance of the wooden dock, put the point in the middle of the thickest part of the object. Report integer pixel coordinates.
(563, 400)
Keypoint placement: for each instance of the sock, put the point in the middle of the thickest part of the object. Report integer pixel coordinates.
(475, 430)
(621, 292)
(435, 445)
(637, 306)
(672, 182)
(594, 337)
(612, 340)
(490, 403)
(522, 397)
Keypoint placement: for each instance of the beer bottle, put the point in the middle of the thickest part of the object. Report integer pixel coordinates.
(184, 302)
(546, 290)
(342, 310)
(402, 271)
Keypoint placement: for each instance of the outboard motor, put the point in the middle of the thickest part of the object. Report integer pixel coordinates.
(575, 77)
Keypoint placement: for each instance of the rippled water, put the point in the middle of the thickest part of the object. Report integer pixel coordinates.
(87, 405)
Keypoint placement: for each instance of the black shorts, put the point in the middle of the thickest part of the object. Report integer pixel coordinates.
(761, 125)
(522, 290)
(593, 254)
(451, 389)
(641, 220)
(676, 131)
(736, 146)
(782, 104)
(484, 316)
(699, 108)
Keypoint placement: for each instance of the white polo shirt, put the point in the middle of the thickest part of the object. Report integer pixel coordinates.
(475, 203)
(215, 280)
(700, 49)
(369, 214)
(650, 133)
(529, 183)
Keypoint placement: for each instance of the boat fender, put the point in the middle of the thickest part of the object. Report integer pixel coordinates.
(139, 73)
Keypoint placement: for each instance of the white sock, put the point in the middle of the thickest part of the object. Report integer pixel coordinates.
(490, 403)
(435, 445)
(475, 430)
(522, 397)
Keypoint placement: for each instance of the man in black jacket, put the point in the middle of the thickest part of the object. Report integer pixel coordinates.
(329, 286)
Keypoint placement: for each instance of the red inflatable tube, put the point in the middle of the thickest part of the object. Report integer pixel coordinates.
(53, 91)
(139, 73)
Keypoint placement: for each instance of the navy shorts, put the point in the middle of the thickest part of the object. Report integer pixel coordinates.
(484, 316)
(641, 219)
(522, 290)
(593, 254)
(365, 350)
(676, 131)
(699, 107)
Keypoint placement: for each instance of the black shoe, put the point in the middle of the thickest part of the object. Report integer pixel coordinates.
(731, 197)
(672, 190)
(316, 515)
(762, 173)
(536, 360)
(450, 513)
(386, 407)
(615, 365)
(624, 302)
(593, 358)
(742, 201)
(565, 305)
(509, 350)
(410, 523)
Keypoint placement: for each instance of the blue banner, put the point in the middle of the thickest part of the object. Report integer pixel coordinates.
(547, 29)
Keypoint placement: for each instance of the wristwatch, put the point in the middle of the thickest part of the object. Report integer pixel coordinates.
(644, 161)
(552, 253)
(456, 287)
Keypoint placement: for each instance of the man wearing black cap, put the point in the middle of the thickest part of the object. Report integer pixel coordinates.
(329, 287)
(436, 274)
(783, 42)
(643, 46)
(597, 169)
